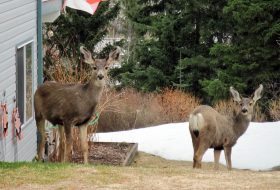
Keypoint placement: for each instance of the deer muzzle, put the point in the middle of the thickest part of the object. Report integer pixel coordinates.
(244, 110)
(100, 76)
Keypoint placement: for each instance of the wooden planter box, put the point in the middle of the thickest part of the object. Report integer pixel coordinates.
(109, 153)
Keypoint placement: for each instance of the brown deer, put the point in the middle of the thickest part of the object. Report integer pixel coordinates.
(210, 129)
(68, 105)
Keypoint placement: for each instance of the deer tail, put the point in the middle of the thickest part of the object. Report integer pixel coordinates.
(196, 123)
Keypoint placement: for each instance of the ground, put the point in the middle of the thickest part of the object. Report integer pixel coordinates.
(104, 153)
(147, 172)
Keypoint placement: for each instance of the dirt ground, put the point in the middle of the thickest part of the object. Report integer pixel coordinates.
(104, 153)
(147, 172)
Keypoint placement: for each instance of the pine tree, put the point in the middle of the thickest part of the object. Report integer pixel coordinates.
(75, 28)
(165, 29)
(251, 56)
(222, 43)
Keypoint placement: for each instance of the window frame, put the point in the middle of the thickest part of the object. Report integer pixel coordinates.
(19, 46)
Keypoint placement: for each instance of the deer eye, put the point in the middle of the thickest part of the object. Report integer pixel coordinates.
(251, 103)
(106, 68)
(241, 104)
(94, 68)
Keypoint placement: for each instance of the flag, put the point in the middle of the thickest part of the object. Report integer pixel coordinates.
(89, 6)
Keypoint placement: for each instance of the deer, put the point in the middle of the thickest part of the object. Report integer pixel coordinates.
(68, 105)
(210, 129)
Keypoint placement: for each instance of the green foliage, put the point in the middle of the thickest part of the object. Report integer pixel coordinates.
(165, 30)
(193, 70)
(252, 57)
(76, 28)
(202, 46)
(215, 88)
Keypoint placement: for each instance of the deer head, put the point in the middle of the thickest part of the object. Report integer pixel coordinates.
(247, 104)
(99, 67)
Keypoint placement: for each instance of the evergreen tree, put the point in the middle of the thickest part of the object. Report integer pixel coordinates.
(202, 46)
(251, 56)
(75, 28)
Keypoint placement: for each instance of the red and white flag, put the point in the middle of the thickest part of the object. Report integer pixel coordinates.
(89, 6)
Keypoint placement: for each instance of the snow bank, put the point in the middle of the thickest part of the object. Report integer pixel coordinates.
(257, 149)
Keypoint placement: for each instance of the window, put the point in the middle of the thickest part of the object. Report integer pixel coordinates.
(24, 80)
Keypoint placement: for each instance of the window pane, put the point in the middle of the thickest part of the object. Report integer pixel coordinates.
(28, 49)
(20, 83)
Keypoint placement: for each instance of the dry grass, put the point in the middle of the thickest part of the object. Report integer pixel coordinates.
(177, 105)
(134, 110)
(66, 71)
(137, 110)
(274, 109)
(148, 172)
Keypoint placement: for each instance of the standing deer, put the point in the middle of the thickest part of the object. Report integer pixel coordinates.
(210, 129)
(68, 105)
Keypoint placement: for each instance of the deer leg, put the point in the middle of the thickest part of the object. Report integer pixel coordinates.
(228, 156)
(199, 154)
(194, 142)
(217, 154)
(69, 142)
(42, 139)
(195, 146)
(62, 144)
(84, 143)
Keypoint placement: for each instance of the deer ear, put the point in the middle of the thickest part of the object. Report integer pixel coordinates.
(257, 93)
(87, 55)
(114, 56)
(235, 94)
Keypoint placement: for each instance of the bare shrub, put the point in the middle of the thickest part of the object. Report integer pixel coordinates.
(64, 71)
(176, 105)
(274, 109)
(135, 110)
(259, 115)
(230, 108)
(227, 108)
(150, 112)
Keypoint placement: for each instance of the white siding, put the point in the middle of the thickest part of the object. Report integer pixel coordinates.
(18, 24)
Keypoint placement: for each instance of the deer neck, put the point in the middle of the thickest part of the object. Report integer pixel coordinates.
(240, 124)
(93, 89)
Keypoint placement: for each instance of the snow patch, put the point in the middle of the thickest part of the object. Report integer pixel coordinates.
(257, 149)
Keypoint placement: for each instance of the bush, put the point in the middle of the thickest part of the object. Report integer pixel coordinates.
(66, 71)
(274, 109)
(177, 105)
(136, 110)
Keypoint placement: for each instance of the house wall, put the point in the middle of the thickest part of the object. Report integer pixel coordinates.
(18, 24)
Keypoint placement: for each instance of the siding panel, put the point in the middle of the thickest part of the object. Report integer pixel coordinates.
(12, 43)
(17, 25)
(14, 32)
(5, 7)
(27, 145)
(6, 54)
(17, 21)
(15, 12)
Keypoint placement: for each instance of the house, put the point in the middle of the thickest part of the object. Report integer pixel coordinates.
(21, 70)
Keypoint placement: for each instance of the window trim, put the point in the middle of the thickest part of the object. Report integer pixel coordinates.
(22, 45)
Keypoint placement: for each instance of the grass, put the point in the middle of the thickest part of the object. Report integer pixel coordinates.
(34, 173)
(147, 172)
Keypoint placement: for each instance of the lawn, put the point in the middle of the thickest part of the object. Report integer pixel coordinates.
(147, 172)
